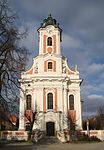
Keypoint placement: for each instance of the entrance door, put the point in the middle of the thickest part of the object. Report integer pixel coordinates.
(50, 128)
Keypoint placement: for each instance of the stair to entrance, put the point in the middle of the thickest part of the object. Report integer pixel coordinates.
(49, 140)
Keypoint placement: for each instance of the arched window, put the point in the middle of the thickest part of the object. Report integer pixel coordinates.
(49, 41)
(71, 102)
(50, 101)
(28, 102)
(49, 65)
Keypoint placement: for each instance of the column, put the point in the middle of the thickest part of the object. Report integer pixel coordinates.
(65, 107)
(78, 110)
(35, 101)
(60, 107)
(21, 111)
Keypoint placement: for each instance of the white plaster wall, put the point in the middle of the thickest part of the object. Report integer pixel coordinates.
(44, 31)
(40, 62)
(52, 117)
(38, 99)
(52, 80)
(60, 99)
(74, 89)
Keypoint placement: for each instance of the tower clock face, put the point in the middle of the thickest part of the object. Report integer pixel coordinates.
(49, 31)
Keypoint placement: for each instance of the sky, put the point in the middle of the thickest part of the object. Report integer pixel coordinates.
(82, 22)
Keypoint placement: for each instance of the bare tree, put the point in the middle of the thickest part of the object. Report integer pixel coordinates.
(97, 121)
(100, 117)
(12, 57)
(31, 118)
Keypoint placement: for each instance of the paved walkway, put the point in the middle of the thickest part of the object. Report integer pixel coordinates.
(53, 144)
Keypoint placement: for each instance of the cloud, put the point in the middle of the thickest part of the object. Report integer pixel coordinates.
(76, 15)
(95, 68)
(96, 97)
(31, 40)
(91, 104)
(88, 89)
(91, 91)
(102, 76)
(83, 39)
(70, 42)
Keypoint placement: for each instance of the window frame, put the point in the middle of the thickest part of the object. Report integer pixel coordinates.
(71, 102)
(28, 102)
(49, 41)
(50, 100)
(50, 64)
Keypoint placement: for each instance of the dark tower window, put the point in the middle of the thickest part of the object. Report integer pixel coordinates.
(49, 41)
(28, 102)
(49, 65)
(71, 102)
(50, 101)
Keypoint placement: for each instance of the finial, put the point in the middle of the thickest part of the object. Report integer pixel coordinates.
(49, 15)
(76, 68)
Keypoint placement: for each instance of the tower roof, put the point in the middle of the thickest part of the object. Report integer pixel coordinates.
(50, 21)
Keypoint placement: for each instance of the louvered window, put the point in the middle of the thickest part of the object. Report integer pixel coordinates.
(49, 41)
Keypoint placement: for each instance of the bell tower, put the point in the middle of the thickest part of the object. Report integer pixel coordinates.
(49, 36)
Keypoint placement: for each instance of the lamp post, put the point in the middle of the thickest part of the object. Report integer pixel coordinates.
(88, 132)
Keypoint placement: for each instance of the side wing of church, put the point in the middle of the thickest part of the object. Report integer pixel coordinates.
(50, 89)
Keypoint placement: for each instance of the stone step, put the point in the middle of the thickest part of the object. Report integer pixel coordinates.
(48, 140)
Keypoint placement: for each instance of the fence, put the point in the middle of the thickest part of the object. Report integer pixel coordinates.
(97, 133)
(23, 135)
(14, 135)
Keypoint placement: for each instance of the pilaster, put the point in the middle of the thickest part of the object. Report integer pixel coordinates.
(65, 107)
(21, 112)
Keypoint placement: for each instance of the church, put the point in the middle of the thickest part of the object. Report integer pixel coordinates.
(50, 89)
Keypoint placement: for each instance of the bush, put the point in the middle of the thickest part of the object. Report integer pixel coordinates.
(94, 138)
(79, 136)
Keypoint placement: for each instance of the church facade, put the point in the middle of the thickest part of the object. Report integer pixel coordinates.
(50, 89)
